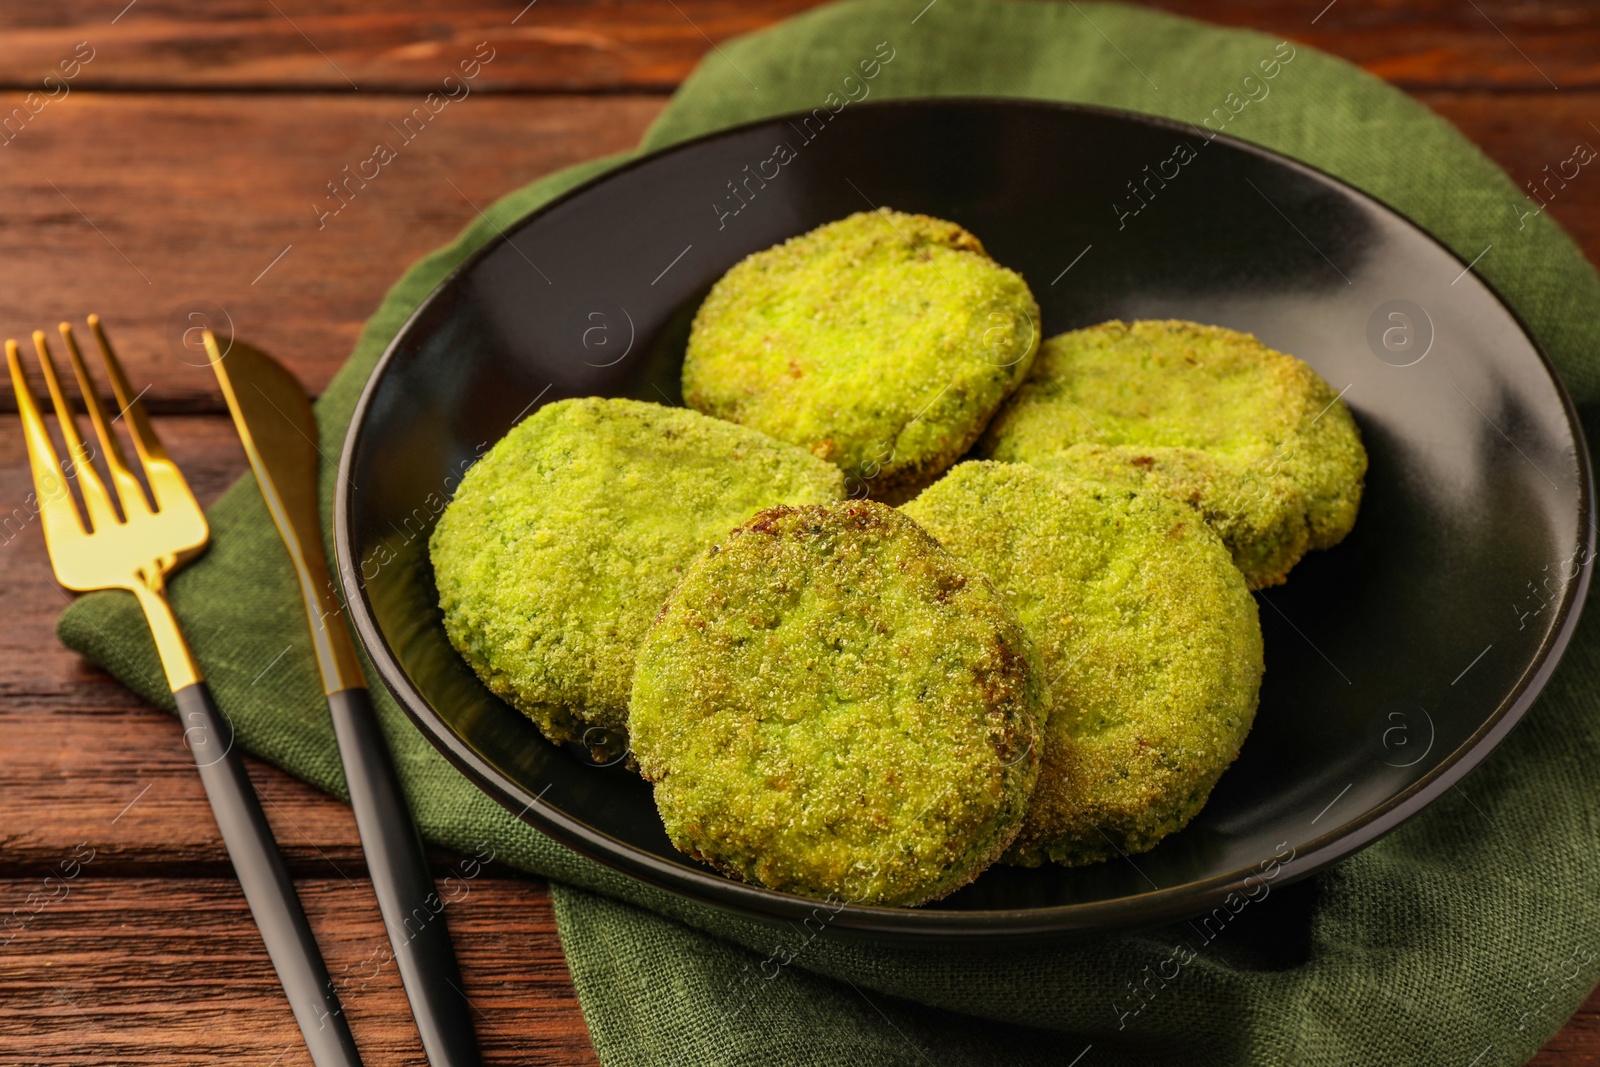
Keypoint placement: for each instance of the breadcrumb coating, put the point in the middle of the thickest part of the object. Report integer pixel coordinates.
(1253, 439)
(831, 705)
(564, 540)
(1148, 639)
(883, 342)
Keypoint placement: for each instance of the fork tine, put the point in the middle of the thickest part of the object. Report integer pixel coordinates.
(57, 512)
(145, 441)
(167, 484)
(129, 492)
(95, 498)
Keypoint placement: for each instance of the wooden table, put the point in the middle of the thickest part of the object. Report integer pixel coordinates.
(184, 165)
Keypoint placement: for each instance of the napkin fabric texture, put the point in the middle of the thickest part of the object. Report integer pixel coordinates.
(1466, 937)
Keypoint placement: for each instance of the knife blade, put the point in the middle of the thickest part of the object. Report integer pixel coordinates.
(279, 431)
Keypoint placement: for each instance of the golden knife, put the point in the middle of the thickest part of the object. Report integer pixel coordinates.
(279, 432)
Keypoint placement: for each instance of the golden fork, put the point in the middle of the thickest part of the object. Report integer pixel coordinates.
(134, 546)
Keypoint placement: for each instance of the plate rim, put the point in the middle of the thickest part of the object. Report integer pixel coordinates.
(933, 925)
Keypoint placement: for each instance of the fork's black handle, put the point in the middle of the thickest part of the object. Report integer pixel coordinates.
(265, 881)
(411, 906)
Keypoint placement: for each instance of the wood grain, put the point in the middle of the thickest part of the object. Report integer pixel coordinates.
(144, 207)
(1506, 45)
(72, 232)
(1500, 125)
(1578, 1043)
(83, 759)
(39, 676)
(574, 45)
(161, 971)
(189, 152)
(147, 953)
(171, 970)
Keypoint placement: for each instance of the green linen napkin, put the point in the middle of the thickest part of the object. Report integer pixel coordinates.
(1467, 937)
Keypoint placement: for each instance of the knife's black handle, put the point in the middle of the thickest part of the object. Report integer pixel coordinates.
(411, 907)
(265, 880)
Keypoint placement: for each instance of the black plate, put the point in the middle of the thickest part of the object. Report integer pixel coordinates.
(1395, 662)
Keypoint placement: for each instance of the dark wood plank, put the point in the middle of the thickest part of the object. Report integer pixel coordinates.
(129, 969)
(117, 776)
(37, 675)
(85, 760)
(1578, 1043)
(116, 971)
(1433, 44)
(77, 749)
(112, 971)
(1525, 135)
(552, 45)
(140, 948)
(574, 45)
(211, 232)
(144, 206)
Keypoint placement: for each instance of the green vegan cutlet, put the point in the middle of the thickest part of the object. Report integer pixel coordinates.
(563, 541)
(882, 342)
(831, 705)
(1253, 439)
(1146, 633)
